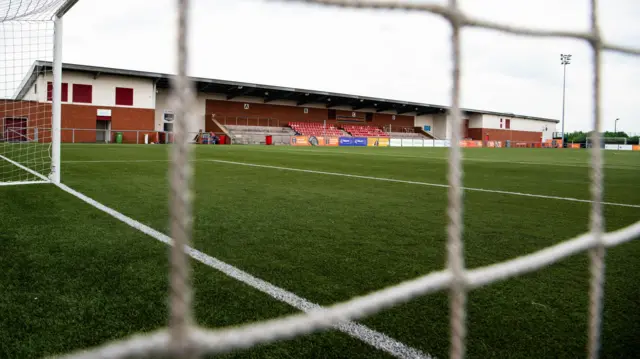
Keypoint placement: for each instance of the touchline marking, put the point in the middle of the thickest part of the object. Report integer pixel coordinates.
(465, 159)
(115, 161)
(421, 183)
(374, 338)
(522, 194)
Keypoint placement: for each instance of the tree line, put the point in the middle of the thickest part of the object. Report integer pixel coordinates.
(581, 137)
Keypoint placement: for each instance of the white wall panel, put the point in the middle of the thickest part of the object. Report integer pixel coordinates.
(104, 88)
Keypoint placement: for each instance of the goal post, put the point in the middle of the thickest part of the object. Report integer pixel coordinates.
(56, 106)
(31, 90)
(607, 141)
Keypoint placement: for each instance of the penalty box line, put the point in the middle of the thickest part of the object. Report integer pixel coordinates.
(374, 338)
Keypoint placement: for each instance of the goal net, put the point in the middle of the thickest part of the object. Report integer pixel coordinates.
(184, 339)
(607, 141)
(27, 91)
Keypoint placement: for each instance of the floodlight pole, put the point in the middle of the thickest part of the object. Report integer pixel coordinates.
(56, 107)
(565, 59)
(615, 127)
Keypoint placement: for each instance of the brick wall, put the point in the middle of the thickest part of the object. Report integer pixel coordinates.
(479, 134)
(37, 114)
(259, 114)
(84, 117)
(271, 115)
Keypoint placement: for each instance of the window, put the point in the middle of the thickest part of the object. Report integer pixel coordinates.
(82, 93)
(507, 124)
(124, 96)
(65, 92)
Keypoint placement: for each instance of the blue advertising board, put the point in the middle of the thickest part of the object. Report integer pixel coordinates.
(346, 141)
(359, 141)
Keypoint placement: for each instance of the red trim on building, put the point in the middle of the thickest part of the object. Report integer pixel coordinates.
(64, 95)
(124, 96)
(502, 135)
(82, 93)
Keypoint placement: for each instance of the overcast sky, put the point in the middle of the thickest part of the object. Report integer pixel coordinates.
(378, 53)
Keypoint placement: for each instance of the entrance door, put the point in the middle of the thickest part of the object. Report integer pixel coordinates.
(15, 129)
(167, 136)
(102, 129)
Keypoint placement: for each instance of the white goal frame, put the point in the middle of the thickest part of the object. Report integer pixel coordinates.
(52, 10)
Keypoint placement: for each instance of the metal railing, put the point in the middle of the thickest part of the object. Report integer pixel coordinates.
(252, 139)
(92, 135)
(248, 121)
(86, 135)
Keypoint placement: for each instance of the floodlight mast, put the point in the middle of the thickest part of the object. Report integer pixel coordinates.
(565, 59)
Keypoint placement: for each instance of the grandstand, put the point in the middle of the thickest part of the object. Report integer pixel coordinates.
(95, 110)
(365, 131)
(408, 135)
(241, 134)
(315, 129)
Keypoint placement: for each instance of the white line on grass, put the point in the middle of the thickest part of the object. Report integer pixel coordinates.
(474, 189)
(376, 339)
(39, 175)
(420, 183)
(15, 183)
(113, 161)
(466, 159)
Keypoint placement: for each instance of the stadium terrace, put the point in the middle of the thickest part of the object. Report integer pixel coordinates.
(116, 105)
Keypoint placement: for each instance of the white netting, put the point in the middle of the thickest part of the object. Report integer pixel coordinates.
(26, 37)
(185, 340)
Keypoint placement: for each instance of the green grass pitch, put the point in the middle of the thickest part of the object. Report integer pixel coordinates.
(73, 277)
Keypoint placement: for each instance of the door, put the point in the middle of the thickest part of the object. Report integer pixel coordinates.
(15, 129)
(168, 135)
(465, 129)
(102, 128)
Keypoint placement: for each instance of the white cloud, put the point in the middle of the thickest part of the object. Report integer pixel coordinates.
(377, 53)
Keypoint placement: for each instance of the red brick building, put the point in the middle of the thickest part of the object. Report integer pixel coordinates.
(98, 101)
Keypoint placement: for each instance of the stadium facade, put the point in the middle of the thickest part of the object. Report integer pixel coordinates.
(95, 98)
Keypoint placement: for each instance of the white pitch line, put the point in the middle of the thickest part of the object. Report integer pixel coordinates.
(39, 175)
(474, 189)
(421, 183)
(374, 338)
(15, 183)
(113, 161)
(466, 159)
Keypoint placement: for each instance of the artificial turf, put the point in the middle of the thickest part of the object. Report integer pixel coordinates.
(71, 276)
